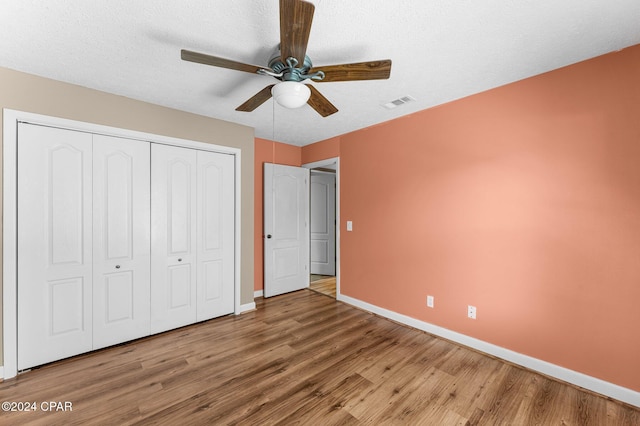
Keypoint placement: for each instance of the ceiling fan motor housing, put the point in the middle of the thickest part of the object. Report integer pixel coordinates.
(290, 71)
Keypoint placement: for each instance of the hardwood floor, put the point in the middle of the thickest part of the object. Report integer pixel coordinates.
(301, 358)
(324, 285)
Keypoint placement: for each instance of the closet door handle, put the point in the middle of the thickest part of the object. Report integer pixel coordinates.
(268, 235)
(117, 266)
(180, 260)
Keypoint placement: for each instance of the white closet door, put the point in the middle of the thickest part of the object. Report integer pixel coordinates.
(215, 240)
(54, 244)
(173, 237)
(121, 241)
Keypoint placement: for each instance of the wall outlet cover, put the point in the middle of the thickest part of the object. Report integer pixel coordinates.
(471, 312)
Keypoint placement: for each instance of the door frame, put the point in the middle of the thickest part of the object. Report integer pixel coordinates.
(10, 121)
(321, 163)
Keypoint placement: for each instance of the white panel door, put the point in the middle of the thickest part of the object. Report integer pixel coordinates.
(121, 242)
(54, 244)
(286, 228)
(323, 223)
(173, 237)
(215, 236)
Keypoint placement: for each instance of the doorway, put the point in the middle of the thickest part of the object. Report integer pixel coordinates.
(324, 229)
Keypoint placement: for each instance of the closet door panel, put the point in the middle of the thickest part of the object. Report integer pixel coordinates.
(173, 237)
(216, 216)
(121, 236)
(54, 244)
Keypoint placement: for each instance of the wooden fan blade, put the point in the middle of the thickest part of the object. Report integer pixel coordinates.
(201, 58)
(320, 103)
(296, 17)
(372, 70)
(256, 100)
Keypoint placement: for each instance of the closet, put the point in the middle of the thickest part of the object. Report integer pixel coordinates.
(117, 239)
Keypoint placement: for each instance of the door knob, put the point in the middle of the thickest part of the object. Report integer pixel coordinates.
(268, 235)
(180, 260)
(117, 266)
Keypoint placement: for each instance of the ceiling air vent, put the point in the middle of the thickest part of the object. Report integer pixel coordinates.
(397, 102)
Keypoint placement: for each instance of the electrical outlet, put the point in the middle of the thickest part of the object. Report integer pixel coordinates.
(471, 312)
(430, 301)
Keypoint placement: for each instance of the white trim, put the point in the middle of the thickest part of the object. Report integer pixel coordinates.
(247, 307)
(238, 234)
(9, 220)
(258, 293)
(321, 163)
(579, 379)
(63, 123)
(9, 245)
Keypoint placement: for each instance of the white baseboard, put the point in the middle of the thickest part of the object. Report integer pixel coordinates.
(251, 306)
(247, 307)
(587, 382)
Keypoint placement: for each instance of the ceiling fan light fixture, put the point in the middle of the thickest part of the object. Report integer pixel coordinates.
(291, 94)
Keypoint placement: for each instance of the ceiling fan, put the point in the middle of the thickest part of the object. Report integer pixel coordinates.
(292, 66)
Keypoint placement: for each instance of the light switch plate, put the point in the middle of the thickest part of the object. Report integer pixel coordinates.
(349, 225)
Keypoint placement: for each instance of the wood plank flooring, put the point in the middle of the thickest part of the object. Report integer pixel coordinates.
(325, 285)
(301, 358)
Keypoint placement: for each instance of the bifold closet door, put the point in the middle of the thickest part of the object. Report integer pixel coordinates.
(215, 236)
(173, 237)
(117, 239)
(121, 240)
(192, 236)
(54, 244)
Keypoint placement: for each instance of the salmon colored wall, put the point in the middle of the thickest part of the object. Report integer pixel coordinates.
(523, 201)
(329, 148)
(267, 152)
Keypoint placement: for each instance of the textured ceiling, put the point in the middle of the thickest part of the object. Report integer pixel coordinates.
(441, 50)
